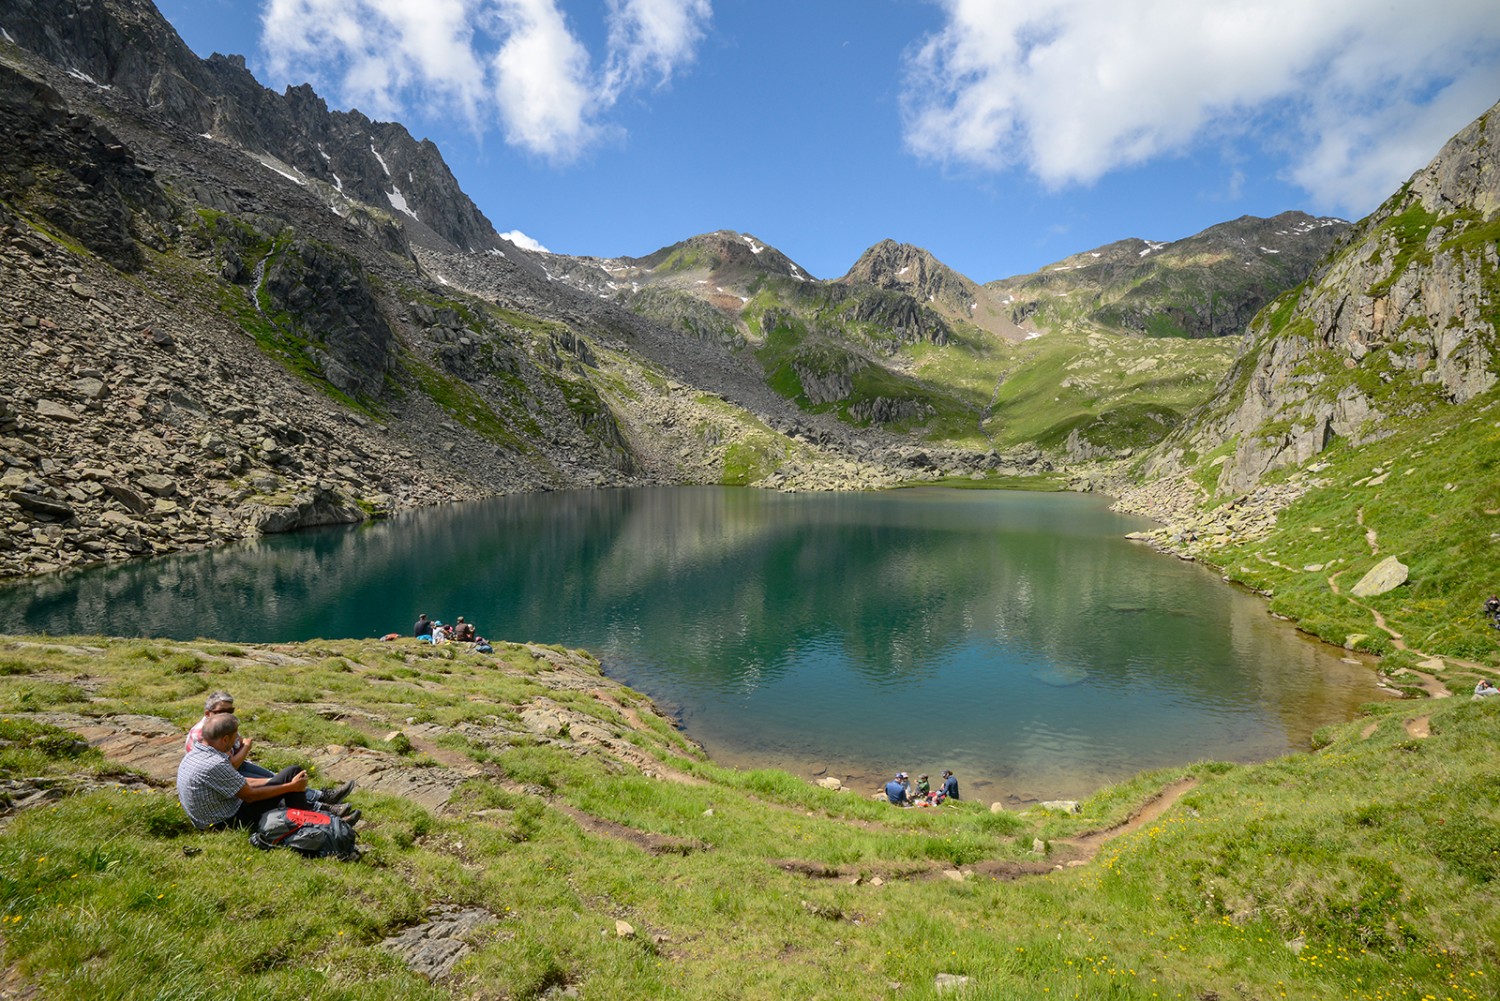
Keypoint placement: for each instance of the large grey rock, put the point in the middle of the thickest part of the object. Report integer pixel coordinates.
(1387, 575)
(56, 411)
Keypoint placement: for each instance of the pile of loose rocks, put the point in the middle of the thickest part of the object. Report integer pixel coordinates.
(132, 424)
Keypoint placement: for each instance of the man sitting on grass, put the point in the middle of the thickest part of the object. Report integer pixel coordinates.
(214, 794)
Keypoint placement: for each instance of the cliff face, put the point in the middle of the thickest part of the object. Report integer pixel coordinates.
(127, 46)
(1402, 319)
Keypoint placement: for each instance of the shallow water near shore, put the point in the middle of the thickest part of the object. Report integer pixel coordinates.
(1016, 638)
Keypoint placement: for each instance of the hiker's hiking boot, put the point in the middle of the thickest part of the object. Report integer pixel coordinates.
(336, 794)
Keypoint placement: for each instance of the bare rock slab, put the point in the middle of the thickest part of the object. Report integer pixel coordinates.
(1387, 575)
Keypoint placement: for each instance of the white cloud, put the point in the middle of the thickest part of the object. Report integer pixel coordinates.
(542, 80)
(378, 54)
(652, 38)
(523, 241)
(1352, 95)
(516, 61)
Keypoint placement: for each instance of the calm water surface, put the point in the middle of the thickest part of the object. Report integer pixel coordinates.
(1016, 638)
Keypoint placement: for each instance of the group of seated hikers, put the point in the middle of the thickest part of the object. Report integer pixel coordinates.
(458, 632)
(219, 786)
(901, 792)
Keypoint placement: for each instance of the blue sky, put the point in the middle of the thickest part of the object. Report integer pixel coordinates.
(1001, 135)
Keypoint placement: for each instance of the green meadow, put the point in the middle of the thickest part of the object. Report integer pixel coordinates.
(612, 859)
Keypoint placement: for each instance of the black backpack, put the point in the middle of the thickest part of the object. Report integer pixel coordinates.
(314, 834)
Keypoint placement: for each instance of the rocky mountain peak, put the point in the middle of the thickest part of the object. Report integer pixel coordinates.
(725, 256)
(902, 267)
(889, 264)
(127, 46)
(1210, 284)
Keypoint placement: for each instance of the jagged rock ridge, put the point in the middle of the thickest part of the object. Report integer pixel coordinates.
(127, 46)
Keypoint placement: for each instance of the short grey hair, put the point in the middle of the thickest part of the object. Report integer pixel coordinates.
(220, 726)
(216, 698)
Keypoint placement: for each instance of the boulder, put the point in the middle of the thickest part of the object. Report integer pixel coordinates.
(41, 504)
(1387, 575)
(157, 485)
(56, 411)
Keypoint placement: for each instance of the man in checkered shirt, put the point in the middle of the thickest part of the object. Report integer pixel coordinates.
(213, 793)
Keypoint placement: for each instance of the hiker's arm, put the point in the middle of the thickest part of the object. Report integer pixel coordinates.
(238, 756)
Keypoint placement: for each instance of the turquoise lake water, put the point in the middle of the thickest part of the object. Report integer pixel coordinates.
(1016, 638)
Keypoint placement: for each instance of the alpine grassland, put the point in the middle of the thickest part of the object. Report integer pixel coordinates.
(607, 857)
(1429, 494)
(1050, 385)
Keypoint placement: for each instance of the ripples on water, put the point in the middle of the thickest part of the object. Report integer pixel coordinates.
(1016, 638)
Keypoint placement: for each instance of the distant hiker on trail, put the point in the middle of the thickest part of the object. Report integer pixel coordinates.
(214, 794)
(423, 627)
(895, 791)
(1492, 609)
(950, 785)
(1484, 688)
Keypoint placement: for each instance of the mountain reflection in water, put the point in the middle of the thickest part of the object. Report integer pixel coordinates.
(1014, 637)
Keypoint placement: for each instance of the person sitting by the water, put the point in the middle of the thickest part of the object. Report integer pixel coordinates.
(895, 791)
(423, 627)
(924, 789)
(1484, 688)
(214, 794)
(439, 632)
(950, 786)
(222, 704)
(463, 632)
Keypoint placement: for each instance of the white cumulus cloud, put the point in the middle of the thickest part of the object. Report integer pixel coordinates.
(378, 54)
(523, 241)
(1351, 95)
(520, 64)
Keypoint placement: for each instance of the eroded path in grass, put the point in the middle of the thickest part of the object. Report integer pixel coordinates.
(1429, 683)
(1065, 852)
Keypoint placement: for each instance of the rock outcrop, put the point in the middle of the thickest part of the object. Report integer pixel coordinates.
(1400, 320)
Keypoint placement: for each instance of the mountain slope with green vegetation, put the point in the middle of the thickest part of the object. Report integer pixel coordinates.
(560, 837)
(1207, 285)
(1359, 423)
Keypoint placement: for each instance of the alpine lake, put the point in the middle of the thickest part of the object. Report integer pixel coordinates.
(1016, 638)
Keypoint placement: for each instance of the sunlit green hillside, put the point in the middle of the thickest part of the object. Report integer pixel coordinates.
(595, 853)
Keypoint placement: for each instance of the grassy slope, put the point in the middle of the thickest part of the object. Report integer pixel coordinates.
(1043, 388)
(1035, 392)
(1378, 858)
(1431, 494)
